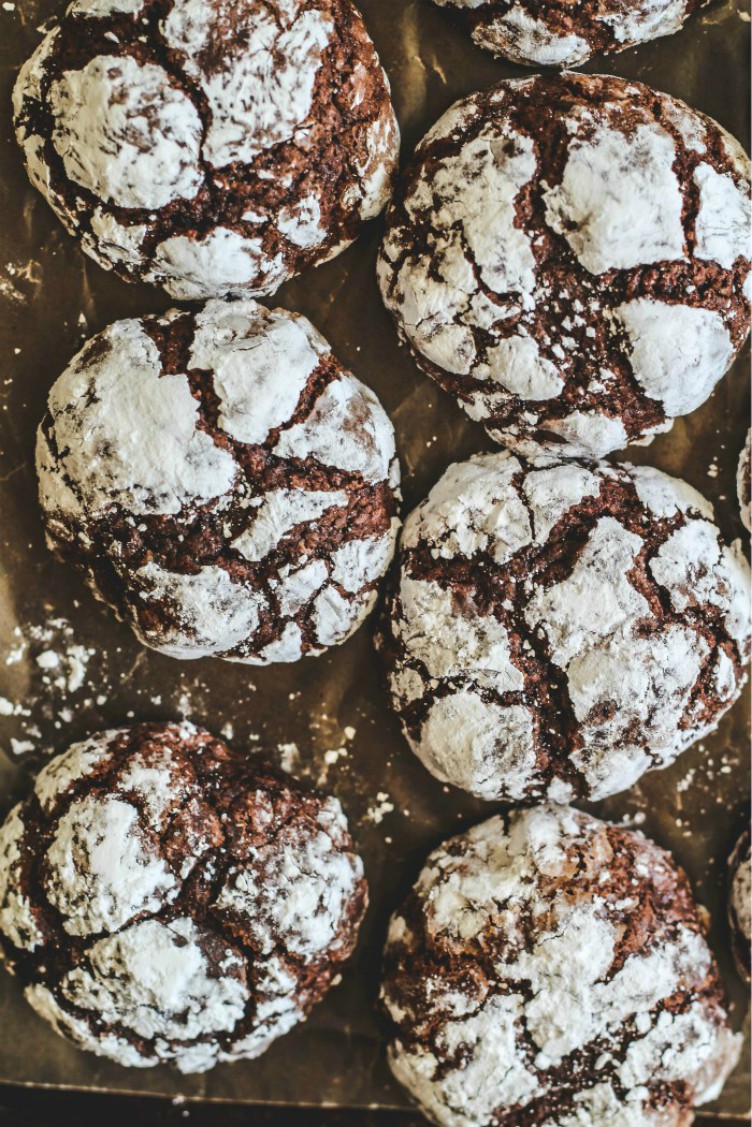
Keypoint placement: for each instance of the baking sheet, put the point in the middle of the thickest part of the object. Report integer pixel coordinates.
(327, 718)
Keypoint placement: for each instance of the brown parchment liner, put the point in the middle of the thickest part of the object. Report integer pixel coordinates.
(51, 297)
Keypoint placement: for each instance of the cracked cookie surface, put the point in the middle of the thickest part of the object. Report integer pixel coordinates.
(560, 629)
(564, 34)
(212, 148)
(569, 258)
(551, 970)
(221, 481)
(162, 899)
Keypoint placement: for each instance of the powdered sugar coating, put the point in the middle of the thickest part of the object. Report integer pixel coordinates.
(181, 123)
(127, 433)
(618, 204)
(17, 919)
(298, 888)
(114, 905)
(528, 34)
(562, 628)
(537, 954)
(101, 873)
(232, 430)
(125, 134)
(549, 254)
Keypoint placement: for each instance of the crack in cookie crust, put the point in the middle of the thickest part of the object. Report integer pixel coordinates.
(569, 258)
(212, 148)
(551, 970)
(562, 628)
(258, 902)
(221, 482)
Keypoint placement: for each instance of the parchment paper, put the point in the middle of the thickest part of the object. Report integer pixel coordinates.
(326, 718)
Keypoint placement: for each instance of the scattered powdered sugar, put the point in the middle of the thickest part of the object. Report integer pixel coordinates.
(379, 810)
(560, 979)
(49, 678)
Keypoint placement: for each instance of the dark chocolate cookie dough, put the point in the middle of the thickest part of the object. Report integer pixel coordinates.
(162, 899)
(212, 146)
(550, 970)
(565, 34)
(221, 481)
(561, 629)
(569, 258)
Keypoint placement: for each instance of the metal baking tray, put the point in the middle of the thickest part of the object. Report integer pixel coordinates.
(327, 719)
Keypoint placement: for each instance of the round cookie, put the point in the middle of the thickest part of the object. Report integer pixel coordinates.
(550, 969)
(567, 35)
(561, 629)
(162, 899)
(744, 482)
(739, 904)
(221, 481)
(213, 148)
(568, 257)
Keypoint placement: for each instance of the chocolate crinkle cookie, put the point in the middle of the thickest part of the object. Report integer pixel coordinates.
(744, 482)
(558, 630)
(568, 257)
(161, 899)
(550, 970)
(558, 35)
(211, 147)
(740, 904)
(221, 481)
